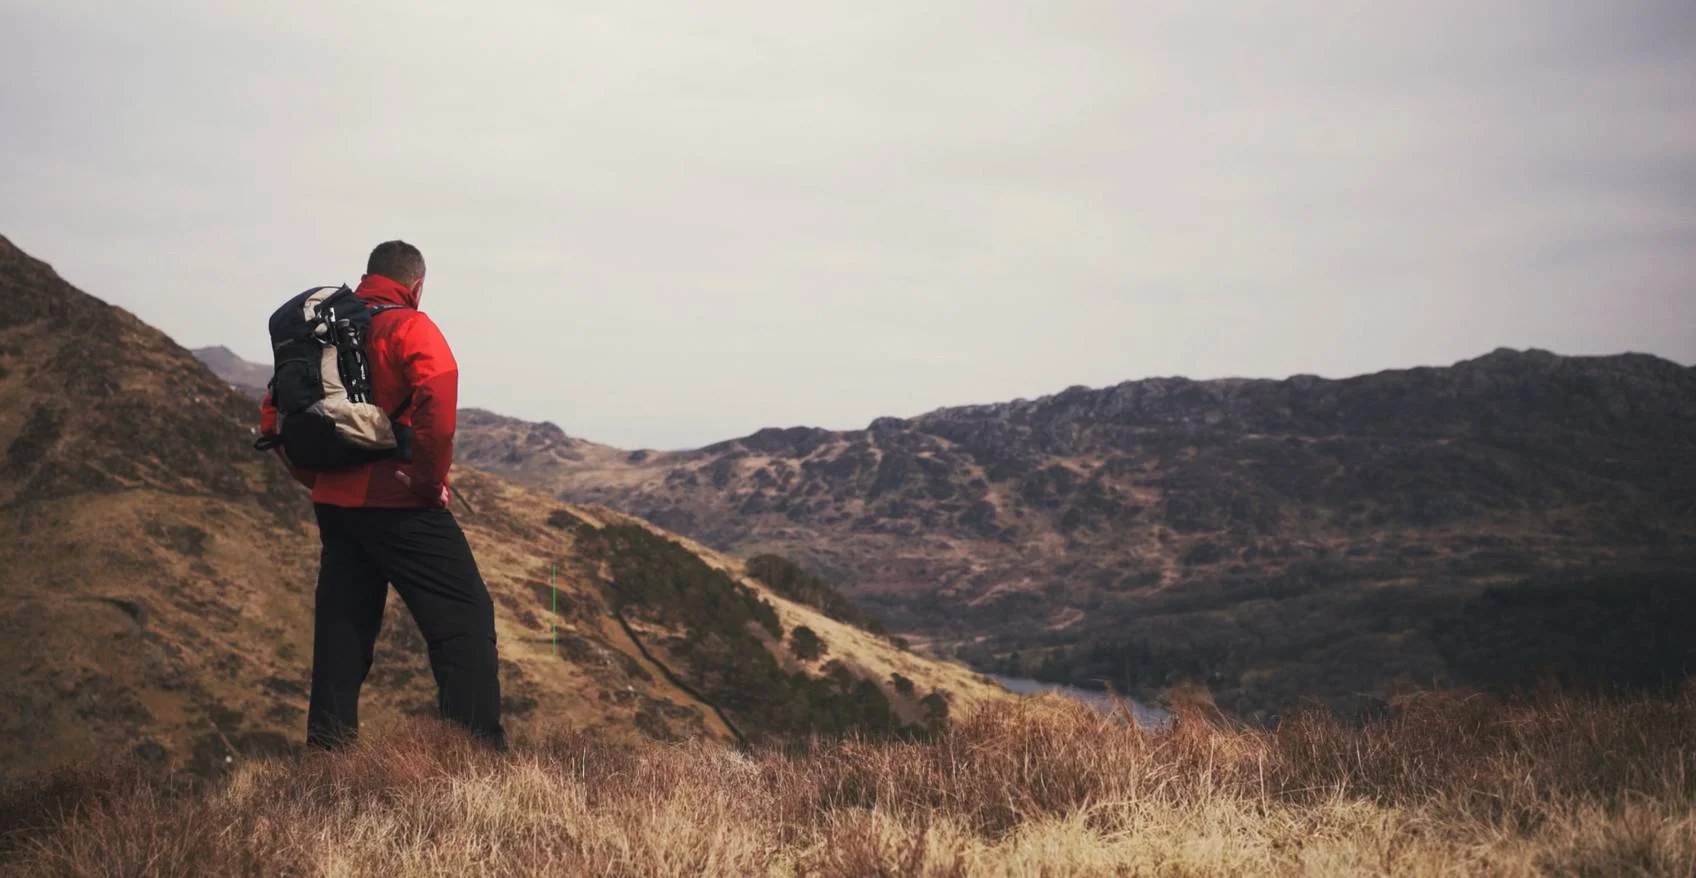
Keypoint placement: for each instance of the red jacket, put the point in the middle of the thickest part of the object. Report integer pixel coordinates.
(407, 354)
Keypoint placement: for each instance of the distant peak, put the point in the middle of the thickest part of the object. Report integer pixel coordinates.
(1529, 355)
(486, 418)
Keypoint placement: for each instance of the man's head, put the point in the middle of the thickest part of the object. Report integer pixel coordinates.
(398, 261)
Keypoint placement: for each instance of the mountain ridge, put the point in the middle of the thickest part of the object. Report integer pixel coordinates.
(1170, 529)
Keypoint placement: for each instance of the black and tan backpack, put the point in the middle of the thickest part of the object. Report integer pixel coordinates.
(321, 385)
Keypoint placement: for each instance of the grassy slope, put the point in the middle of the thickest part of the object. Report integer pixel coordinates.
(1449, 785)
(855, 646)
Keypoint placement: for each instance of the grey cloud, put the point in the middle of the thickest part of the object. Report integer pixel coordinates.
(700, 219)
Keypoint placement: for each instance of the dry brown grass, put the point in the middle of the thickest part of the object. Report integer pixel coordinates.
(1558, 784)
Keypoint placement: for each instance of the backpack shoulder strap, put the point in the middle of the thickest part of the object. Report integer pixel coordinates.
(405, 403)
(401, 409)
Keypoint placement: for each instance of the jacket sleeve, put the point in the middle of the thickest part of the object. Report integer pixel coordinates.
(433, 376)
(268, 427)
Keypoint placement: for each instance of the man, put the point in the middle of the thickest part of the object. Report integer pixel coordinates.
(389, 522)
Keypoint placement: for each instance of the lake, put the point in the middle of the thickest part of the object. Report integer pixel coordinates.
(1147, 715)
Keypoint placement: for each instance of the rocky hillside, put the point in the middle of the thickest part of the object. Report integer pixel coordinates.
(158, 578)
(1277, 539)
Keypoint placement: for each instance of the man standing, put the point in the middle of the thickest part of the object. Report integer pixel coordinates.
(388, 522)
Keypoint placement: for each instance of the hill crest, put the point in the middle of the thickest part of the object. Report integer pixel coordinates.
(158, 586)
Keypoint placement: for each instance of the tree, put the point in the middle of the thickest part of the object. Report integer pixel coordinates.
(806, 644)
(936, 709)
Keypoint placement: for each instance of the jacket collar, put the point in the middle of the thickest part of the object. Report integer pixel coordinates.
(379, 290)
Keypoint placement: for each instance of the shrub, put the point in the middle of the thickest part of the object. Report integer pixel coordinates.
(936, 708)
(566, 520)
(806, 644)
(721, 653)
(787, 578)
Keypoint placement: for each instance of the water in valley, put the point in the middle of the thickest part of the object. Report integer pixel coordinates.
(1146, 714)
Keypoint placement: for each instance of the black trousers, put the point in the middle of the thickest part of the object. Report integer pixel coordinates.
(423, 553)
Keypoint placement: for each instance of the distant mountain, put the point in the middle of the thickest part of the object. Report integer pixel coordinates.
(1510, 517)
(249, 378)
(1277, 539)
(158, 579)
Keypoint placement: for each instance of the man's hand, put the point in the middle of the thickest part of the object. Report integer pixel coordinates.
(442, 495)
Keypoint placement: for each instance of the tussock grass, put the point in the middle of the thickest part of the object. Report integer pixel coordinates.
(1552, 785)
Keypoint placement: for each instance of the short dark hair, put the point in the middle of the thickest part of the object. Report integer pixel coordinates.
(396, 260)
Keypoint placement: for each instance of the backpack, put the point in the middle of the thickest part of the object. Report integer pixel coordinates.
(321, 385)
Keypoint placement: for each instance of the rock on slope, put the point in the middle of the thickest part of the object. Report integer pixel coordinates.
(158, 574)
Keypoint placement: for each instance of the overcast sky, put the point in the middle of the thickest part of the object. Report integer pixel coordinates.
(663, 224)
